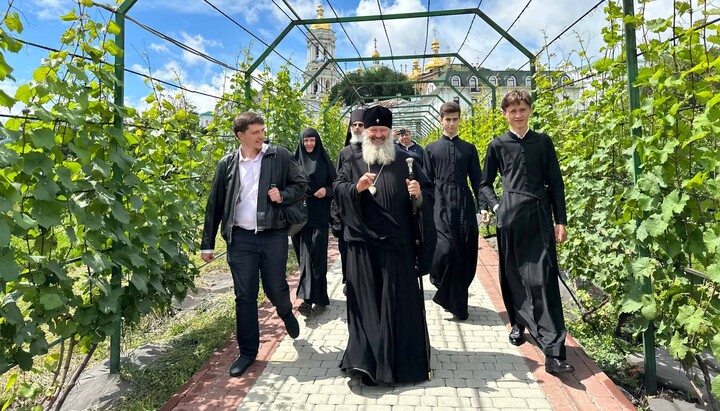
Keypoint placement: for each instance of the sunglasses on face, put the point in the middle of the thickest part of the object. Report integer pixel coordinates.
(358, 124)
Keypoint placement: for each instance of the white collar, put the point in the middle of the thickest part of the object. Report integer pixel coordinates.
(518, 134)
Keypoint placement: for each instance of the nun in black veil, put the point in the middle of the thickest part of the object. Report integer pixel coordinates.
(311, 242)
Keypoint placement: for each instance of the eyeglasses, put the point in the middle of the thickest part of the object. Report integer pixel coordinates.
(358, 125)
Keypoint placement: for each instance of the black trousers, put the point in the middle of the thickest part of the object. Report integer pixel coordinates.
(249, 254)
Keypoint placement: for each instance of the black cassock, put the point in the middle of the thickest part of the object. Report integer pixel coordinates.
(533, 191)
(449, 163)
(385, 318)
(336, 223)
(311, 243)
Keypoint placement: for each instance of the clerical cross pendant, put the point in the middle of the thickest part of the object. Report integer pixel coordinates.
(372, 189)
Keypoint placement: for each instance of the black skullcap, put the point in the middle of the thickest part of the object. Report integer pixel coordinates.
(378, 116)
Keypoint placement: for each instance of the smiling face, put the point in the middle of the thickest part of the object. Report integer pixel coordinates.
(378, 147)
(518, 116)
(450, 123)
(378, 134)
(252, 139)
(309, 144)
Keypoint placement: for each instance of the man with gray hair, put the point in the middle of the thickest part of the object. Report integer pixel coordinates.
(376, 196)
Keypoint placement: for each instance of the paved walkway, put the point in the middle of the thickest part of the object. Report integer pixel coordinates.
(474, 365)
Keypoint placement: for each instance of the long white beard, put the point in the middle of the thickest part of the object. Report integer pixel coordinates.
(373, 154)
(356, 138)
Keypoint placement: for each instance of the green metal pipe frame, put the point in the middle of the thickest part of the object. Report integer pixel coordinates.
(424, 14)
(634, 97)
(118, 124)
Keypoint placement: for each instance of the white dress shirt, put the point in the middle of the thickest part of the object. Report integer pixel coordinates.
(246, 208)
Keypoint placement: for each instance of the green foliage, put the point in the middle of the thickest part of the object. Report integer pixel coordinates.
(283, 110)
(622, 234)
(362, 87)
(332, 126)
(98, 224)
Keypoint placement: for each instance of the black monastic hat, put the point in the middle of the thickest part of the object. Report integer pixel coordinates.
(378, 116)
(355, 115)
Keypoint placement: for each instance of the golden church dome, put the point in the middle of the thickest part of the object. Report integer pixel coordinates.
(436, 62)
(324, 26)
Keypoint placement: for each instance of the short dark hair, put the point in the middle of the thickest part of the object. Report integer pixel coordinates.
(514, 97)
(448, 108)
(244, 119)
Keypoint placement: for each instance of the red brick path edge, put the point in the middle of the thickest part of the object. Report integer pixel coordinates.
(212, 388)
(588, 388)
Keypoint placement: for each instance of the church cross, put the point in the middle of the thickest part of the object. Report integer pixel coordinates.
(377, 120)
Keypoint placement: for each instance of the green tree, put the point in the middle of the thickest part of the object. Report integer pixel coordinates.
(362, 87)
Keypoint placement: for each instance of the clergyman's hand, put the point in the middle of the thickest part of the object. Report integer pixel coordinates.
(560, 233)
(207, 257)
(413, 188)
(365, 182)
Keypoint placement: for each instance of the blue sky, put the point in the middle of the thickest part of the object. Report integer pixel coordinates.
(197, 24)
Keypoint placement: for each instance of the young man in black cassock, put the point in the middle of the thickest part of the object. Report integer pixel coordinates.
(533, 192)
(449, 162)
(353, 142)
(387, 340)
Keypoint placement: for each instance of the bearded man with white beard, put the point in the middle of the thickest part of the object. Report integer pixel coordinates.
(387, 330)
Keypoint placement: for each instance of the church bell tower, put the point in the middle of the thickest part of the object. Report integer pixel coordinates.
(320, 47)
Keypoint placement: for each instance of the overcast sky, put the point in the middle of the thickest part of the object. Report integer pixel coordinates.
(199, 25)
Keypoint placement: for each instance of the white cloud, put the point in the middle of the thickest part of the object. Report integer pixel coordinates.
(51, 9)
(173, 72)
(159, 48)
(199, 43)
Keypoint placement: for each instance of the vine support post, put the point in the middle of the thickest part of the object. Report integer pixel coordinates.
(533, 71)
(248, 88)
(634, 96)
(118, 124)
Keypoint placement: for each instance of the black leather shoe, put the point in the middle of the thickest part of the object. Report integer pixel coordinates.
(366, 380)
(240, 365)
(291, 325)
(305, 309)
(516, 335)
(557, 366)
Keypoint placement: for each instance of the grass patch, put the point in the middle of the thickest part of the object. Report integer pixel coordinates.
(190, 342)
